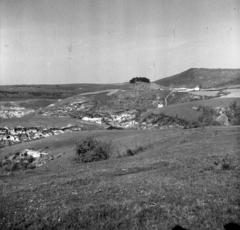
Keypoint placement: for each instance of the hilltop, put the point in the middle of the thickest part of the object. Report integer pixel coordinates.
(205, 78)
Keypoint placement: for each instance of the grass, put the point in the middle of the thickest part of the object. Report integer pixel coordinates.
(180, 179)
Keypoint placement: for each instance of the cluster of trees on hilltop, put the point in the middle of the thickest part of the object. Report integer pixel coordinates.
(139, 79)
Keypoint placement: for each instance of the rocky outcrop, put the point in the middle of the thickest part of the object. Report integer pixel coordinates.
(161, 120)
(26, 159)
(7, 112)
(223, 119)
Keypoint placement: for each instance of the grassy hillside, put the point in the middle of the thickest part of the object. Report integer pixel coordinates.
(205, 78)
(140, 96)
(185, 110)
(185, 177)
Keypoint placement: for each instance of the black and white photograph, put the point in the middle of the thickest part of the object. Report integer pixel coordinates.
(120, 114)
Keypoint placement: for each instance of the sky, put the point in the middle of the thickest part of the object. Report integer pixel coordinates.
(111, 41)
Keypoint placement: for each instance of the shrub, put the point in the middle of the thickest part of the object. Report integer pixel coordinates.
(91, 149)
(208, 116)
(132, 152)
(194, 124)
(226, 166)
(234, 113)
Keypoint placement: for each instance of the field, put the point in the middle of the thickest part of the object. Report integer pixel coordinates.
(233, 93)
(45, 122)
(186, 177)
(26, 92)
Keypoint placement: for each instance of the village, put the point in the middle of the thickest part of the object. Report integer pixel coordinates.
(85, 110)
(121, 120)
(131, 119)
(9, 136)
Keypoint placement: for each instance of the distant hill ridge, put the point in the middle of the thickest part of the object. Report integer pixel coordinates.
(205, 78)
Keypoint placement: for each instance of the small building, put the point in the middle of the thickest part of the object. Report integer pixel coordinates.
(97, 120)
(197, 88)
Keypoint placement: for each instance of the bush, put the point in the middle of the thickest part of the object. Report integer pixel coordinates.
(91, 149)
(208, 116)
(139, 79)
(234, 113)
(132, 152)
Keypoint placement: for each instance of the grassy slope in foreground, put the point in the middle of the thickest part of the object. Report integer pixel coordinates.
(179, 179)
(205, 78)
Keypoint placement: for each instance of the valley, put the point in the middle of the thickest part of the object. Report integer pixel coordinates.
(142, 155)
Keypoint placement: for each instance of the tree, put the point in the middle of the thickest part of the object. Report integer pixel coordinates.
(139, 79)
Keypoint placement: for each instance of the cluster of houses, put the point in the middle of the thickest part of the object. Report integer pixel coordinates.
(9, 136)
(129, 120)
(124, 120)
(7, 112)
(121, 120)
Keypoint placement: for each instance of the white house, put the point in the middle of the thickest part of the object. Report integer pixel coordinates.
(97, 120)
(196, 88)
